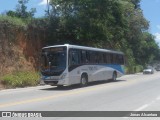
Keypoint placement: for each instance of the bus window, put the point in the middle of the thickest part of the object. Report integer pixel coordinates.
(121, 59)
(92, 57)
(88, 56)
(104, 58)
(74, 57)
(109, 59)
(83, 57)
(100, 58)
(96, 57)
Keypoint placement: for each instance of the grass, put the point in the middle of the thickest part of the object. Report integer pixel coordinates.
(12, 20)
(20, 79)
(133, 69)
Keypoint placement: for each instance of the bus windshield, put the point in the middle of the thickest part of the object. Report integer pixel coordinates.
(53, 60)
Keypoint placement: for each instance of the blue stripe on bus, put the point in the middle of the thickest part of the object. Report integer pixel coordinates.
(117, 67)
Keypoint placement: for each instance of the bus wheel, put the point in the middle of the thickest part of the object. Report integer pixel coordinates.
(84, 80)
(60, 86)
(114, 76)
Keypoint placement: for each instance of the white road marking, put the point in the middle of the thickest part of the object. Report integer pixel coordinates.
(142, 107)
(145, 106)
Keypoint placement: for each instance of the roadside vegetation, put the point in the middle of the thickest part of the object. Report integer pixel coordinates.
(14, 21)
(110, 24)
(20, 79)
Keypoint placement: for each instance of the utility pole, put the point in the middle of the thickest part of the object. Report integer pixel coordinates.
(48, 7)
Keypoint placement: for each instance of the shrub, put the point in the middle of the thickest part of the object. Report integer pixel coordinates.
(12, 20)
(21, 79)
(133, 69)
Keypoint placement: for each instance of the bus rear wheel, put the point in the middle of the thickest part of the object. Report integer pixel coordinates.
(114, 76)
(60, 86)
(84, 80)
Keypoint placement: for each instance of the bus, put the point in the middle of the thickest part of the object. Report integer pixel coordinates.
(64, 65)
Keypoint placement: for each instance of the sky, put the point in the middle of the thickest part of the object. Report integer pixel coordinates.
(151, 11)
(40, 5)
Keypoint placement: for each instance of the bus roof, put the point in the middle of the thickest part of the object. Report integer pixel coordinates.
(85, 48)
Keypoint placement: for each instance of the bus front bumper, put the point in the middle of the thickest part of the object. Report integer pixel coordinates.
(54, 82)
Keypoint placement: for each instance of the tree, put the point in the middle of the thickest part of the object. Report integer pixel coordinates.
(149, 49)
(109, 24)
(86, 20)
(21, 10)
(136, 3)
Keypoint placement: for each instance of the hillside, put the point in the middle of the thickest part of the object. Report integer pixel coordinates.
(19, 47)
(117, 25)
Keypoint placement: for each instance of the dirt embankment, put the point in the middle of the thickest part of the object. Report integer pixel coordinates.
(20, 49)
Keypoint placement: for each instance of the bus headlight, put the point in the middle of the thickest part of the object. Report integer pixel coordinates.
(63, 75)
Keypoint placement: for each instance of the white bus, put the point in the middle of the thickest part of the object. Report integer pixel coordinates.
(72, 64)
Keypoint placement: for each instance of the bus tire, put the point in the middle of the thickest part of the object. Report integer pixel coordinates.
(114, 76)
(84, 80)
(59, 86)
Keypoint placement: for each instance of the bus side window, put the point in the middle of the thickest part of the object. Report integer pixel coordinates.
(121, 59)
(101, 58)
(85, 57)
(96, 58)
(104, 58)
(111, 58)
(92, 57)
(109, 61)
(88, 57)
(73, 57)
(114, 59)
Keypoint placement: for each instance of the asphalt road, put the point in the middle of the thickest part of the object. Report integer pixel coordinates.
(135, 92)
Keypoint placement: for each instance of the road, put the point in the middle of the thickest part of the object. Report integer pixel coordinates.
(135, 92)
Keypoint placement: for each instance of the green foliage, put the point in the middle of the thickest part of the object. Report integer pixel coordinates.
(21, 79)
(86, 21)
(104, 23)
(148, 50)
(12, 21)
(133, 69)
(21, 10)
(136, 3)
(111, 24)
